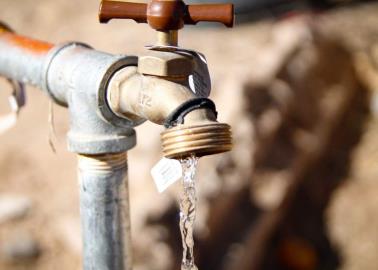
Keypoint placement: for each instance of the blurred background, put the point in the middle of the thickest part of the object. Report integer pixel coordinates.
(297, 81)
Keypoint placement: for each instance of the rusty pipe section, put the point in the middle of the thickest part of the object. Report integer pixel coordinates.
(55, 68)
(21, 58)
(75, 76)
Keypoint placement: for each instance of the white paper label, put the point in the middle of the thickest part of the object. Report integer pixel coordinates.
(166, 172)
(7, 122)
(16, 101)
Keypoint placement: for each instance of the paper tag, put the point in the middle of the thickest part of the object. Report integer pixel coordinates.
(16, 101)
(166, 172)
(7, 122)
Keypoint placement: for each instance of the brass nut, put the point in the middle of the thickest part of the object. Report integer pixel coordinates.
(166, 64)
(202, 140)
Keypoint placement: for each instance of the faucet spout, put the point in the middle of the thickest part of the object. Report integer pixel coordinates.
(165, 100)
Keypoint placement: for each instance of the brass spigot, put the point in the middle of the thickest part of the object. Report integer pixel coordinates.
(158, 89)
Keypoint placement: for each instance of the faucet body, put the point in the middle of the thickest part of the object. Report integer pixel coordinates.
(135, 95)
(164, 100)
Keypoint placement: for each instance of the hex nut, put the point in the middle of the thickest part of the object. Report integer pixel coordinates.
(166, 64)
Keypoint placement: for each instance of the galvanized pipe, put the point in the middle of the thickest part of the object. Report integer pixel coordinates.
(104, 208)
(21, 58)
(76, 76)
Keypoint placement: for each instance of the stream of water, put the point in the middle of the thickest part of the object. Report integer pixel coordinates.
(188, 203)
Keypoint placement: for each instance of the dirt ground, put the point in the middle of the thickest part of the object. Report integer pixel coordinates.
(28, 166)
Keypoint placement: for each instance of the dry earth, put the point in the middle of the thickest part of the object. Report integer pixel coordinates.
(28, 167)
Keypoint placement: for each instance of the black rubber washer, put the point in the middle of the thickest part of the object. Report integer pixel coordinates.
(178, 115)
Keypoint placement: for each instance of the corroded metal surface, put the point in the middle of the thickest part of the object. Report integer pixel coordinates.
(24, 43)
(22, 59)
(31, 45)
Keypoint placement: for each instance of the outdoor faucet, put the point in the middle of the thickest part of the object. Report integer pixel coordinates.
(159, 90)
(108, 95)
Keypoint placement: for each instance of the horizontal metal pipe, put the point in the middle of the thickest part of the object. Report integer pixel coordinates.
(21, 58)
(76, 76)
(104, 209)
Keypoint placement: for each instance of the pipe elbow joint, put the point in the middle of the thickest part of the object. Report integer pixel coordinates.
(76, 77)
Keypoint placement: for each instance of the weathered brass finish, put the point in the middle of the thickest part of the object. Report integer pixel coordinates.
(165, 64)
(103, 163)
(167, 38)
(202, 140)
(137, 96)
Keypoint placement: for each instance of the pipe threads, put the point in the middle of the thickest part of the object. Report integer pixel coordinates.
(202, 140)
(103, 163)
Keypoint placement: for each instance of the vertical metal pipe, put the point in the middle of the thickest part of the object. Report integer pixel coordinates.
(104, 207)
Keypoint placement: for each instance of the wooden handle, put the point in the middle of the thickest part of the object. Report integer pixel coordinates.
(222, 13)
(122, 10)
(165, 15)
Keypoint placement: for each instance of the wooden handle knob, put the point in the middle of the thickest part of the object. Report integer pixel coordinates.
(122, 10)
(165, 15)
(222, 13)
